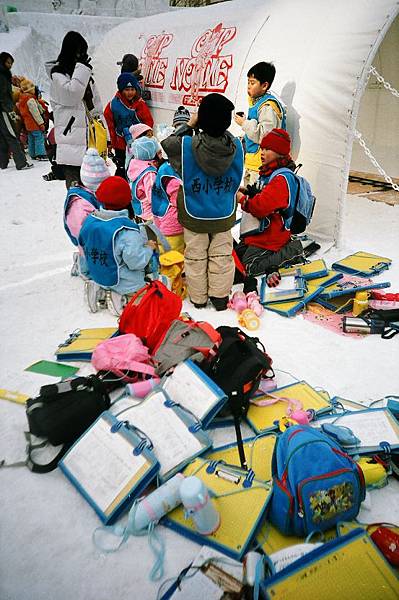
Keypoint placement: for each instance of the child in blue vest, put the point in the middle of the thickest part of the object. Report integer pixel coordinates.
(117, 250)
(81, 201)
(141, 174)
(125, 109)
(266, 249)
(211, 166)
(265, 113)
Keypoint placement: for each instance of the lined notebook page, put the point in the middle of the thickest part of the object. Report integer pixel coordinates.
(103, 463)
(370, 427)
(187, 388)
(173, 442)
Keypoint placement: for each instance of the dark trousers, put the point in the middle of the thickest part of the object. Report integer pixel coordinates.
(120, 157)
(72, 174)
(258, 261)
(9, 143)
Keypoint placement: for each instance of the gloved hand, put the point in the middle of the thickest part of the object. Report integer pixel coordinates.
(273, 279)
(252, 190)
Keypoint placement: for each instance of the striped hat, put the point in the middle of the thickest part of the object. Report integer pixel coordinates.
(93, 170)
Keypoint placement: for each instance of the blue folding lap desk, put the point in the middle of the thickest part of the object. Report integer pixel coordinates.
(347, 568)
(110, 465)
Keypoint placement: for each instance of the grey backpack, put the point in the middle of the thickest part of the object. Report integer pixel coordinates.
(185, 339)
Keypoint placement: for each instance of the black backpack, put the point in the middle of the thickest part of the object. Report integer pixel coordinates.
(61, 413)
(238, 366)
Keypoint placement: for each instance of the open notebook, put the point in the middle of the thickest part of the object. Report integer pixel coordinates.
(190, 388)
(290, 287)
(80, 344)
(376, 429)
(177, 437)
(110, 466)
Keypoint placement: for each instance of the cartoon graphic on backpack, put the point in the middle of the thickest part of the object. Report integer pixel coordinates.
(315, 483)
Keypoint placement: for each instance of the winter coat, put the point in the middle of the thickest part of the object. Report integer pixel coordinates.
(214, 156)
(130, 253)
(144, 186)
(31, 112)
(6, 102)
(142, 114)
(70, 120)
(268, 203)
(169, 224)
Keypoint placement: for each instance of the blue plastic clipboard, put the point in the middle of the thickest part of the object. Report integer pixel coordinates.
(190, 388)
(161, 420)
(110, 465)
(376, 428)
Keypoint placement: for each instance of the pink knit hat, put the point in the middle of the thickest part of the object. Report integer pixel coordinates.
(138, 130)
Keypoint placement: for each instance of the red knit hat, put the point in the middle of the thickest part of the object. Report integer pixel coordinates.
(277, 140)
(114, 193)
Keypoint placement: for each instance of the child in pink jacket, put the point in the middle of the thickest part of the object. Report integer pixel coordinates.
(81, 201)
(164, 206)
(142, 173)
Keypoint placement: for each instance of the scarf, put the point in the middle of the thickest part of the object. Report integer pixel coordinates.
(278, 163)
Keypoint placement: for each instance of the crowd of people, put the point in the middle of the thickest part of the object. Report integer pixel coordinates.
(176, 195)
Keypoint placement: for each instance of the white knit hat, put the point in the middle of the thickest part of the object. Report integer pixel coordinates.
(93, 170)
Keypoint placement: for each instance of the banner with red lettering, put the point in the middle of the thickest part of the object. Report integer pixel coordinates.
(182, 67)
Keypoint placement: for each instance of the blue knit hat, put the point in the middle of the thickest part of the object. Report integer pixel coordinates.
(145, 148)
(127, 80)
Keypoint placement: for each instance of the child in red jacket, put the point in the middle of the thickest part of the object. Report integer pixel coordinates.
(264, 250)
(125, 109)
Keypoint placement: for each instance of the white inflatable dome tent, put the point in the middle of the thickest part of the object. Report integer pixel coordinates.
(322, 52)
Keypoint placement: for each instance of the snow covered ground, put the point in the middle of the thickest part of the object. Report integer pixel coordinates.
(45, 525)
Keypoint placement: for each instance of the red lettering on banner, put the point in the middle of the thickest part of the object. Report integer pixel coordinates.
(205, 71)
(152, 65)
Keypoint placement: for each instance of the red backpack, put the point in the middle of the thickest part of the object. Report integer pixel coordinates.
(150, 312)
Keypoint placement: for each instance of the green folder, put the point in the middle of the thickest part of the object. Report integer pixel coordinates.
(53, 369)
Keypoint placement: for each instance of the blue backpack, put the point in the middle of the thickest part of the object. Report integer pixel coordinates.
(298, 214)
(315, 483)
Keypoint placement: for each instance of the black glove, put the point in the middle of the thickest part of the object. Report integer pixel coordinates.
(252, 190)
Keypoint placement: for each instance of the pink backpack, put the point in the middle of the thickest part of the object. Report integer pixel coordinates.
(125, 356)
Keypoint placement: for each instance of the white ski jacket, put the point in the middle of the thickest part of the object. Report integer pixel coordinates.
(70, 120)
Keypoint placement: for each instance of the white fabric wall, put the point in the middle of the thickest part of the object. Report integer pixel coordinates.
(378, 118)
(321, 51)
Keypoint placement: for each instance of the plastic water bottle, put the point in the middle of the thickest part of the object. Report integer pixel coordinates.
(199, 506)
(158, 503)
(249, 320)
(360, 303)
(141, 389)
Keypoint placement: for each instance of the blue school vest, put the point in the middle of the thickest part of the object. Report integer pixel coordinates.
(253, 113)
(123, 116)
(160, 202)
(83, 193)
(97, 237)
(210, 197)
(133, 186)
(292, 182)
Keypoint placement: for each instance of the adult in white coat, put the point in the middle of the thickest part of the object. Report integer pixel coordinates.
(72, 94)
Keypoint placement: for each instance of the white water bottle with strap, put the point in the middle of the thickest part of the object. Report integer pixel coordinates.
(199, 506)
